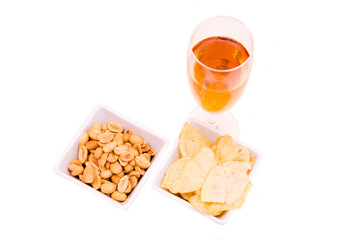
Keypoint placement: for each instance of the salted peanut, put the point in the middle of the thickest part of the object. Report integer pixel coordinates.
(101, 144)
(151, 152)
(106, 174)
(121, 174)
(133, 181)
(90, 145)
(114, 127)
(84, 139)
(118, 196)
(115, 179)
(133, 151)
(128, 168)
(146, 148)
(92, 159)
(138, 148)
(104, 181)
(147, 156)
(136, 139)
(115, 168)
(82, 153)
(140, 170)
(129, 145)
(142, 162)
(88, 173)
(132, 162)
(120, 149)
(97, 125)
(129, 188)
(108, 187)
(112, 157)
(106, 137)
(107, 165)
(145, 143)
(127, 135)
(104, 158)
(119, 139)
(123, 183)
(104, 127)
(96, 184)
(98, 153)
(75, 169)
(109, 147)
(81, 177)
(122, 163)
(134, 174)
(76, 161)
(93, 133)
(126, 156)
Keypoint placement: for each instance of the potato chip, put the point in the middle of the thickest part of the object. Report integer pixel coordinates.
(203, 207)
(196, 170)
(191, 141)
(187, 196)
(173, 173)
(217, 208)
(226, 149)
(226, 183)
(188, 175)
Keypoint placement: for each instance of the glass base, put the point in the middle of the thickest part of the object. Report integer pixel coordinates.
(224, 122)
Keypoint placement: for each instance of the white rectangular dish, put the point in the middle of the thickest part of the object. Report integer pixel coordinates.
(104, 114)
(211, 134)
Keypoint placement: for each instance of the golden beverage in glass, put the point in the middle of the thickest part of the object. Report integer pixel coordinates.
(219, 64)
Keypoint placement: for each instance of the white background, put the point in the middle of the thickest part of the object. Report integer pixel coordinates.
(58, 59)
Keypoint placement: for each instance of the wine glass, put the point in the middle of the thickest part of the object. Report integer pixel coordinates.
(219, 63)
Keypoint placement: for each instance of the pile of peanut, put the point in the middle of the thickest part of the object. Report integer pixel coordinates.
(111, 160)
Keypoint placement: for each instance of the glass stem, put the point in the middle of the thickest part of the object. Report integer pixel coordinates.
(212, 122)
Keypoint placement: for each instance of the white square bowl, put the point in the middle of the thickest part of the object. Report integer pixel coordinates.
(104, 115)
(211, 134)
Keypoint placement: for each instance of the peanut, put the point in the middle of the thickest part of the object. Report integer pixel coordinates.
(122, 186)
(82, 153)
(93, 133)
(106, 174)
(84, 139)
(114, 127)
(108, 187)
(106, 137)
(126, 156)
(128, 168)
(115, 179)
(142, 162)
(115, 168)
(88, 173)
(136, 139)
(75, 169)
(119, 196)
(129, 188)
(98, 153)
(90, 145)
(133, 181)
(109, 147)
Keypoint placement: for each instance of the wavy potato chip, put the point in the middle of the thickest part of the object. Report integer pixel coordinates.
(173, 173)
(191, 141)
(226, 183)
(217, 208)
(226, 149)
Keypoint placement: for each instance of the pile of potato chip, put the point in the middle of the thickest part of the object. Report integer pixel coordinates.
(214, 178)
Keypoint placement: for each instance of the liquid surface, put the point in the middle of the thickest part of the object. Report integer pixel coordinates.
(214, 89)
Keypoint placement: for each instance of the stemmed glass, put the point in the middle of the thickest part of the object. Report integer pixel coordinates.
(219, 63)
